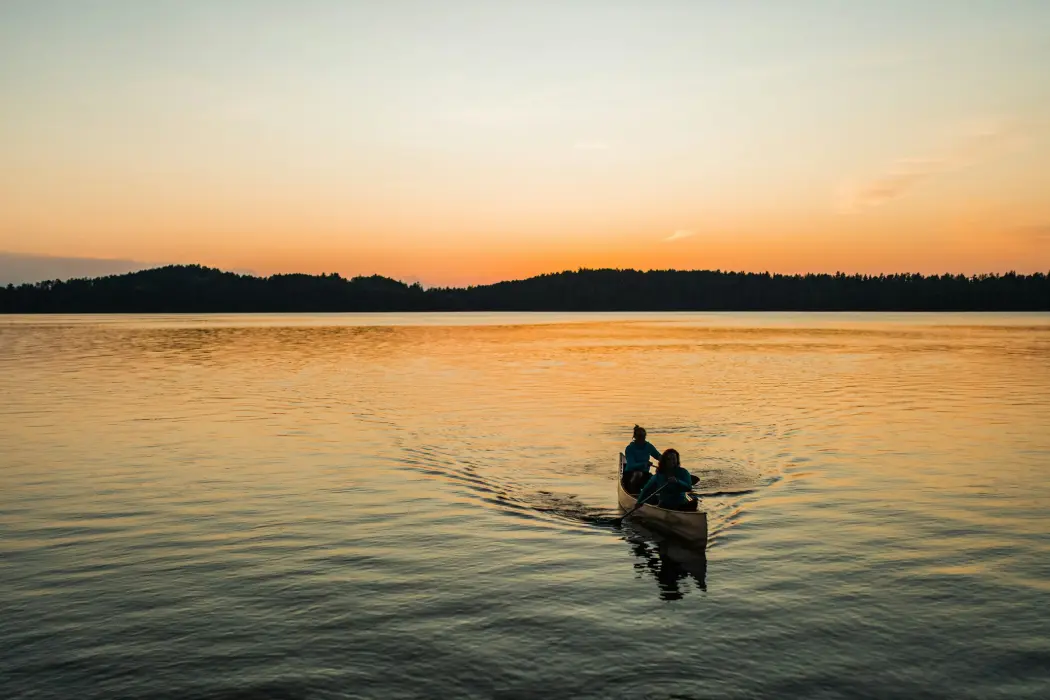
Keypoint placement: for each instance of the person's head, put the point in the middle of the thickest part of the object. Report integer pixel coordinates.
(639, 433)
(669, 461)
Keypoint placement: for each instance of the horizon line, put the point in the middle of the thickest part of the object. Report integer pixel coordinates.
(413, 282)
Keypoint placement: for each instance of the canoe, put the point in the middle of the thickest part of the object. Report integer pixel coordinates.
(691, 526)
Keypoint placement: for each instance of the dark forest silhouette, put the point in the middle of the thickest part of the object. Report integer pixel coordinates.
(193, 288)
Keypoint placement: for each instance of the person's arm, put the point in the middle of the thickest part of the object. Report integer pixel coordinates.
(648, 489)
(653, 451)
(684, 479)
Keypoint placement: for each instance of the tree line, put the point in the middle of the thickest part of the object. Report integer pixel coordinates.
(197, 289)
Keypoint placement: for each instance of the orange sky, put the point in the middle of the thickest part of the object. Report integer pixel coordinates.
(472, 142)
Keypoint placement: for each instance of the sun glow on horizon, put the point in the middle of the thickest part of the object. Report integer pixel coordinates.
(472, 142)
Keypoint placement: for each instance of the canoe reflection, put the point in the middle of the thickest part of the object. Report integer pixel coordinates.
(671, 563)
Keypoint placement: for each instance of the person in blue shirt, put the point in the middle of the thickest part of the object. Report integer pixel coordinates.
(673, 483)
(636, 467)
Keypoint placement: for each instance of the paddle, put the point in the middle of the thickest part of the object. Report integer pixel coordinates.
(643, 502)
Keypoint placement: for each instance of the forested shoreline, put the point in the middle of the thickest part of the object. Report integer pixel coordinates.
(198, 289)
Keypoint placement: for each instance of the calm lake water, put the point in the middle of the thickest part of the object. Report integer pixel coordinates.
(408, 506)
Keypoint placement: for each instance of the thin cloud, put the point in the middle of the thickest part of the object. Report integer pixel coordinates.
(907, 174)
(1039, 234)
(679, 235)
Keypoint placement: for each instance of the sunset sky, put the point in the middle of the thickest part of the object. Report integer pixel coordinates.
(464, 141)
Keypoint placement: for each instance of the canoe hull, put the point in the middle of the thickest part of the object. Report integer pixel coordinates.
(691, 526)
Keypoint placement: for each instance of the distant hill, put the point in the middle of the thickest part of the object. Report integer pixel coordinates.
(193, 288)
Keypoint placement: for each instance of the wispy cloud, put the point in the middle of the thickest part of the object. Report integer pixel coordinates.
(971, 148)
(1038, 234)
(679, 235)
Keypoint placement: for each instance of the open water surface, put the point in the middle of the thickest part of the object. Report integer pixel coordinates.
(407, 506)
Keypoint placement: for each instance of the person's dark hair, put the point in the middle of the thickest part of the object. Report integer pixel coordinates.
(668, 461)
(639, 433)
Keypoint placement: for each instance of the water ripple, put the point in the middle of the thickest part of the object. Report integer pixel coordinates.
(339, 506)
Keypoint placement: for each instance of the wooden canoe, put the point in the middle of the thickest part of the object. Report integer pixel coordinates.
(691, 526)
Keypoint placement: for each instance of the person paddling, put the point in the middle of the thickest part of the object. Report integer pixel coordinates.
(672, 481)
(637, 454)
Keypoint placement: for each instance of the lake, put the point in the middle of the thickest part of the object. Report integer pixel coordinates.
(407, 506)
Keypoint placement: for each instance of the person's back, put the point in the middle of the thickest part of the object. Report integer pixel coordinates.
(670, 483)
(636, 464)
(638, 455)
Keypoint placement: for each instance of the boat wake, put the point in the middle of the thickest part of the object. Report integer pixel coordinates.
(506, 492)
(569, 507)
(724, 490)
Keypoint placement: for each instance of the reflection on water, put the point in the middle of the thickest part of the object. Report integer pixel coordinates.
(336, 506)
(672, 565)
